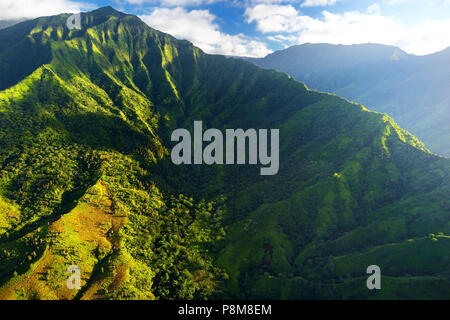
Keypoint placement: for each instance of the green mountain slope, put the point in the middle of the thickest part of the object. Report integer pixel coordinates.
(411, 89)
(86, 178)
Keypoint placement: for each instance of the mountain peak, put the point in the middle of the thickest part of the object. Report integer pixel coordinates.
(107, 11)
(362, 48)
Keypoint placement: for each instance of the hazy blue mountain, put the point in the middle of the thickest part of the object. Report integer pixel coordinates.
(8, 23)
(414, 90)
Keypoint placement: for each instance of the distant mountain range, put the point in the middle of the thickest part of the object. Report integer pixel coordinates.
(86, 177)
(8, 23)
(414, 90)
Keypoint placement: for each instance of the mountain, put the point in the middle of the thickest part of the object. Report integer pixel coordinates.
(86, 177)
(411, 89)
(7, 23)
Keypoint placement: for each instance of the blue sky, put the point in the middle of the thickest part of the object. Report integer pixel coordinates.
(258, 27)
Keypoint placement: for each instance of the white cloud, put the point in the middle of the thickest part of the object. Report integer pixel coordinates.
(26, 9)
(350, 28)
(269, 1)
(174, 3)
(276, 18)
(285, 41)
(395, 2)
(187, 2)
(374, 9)
(198, 26)
(318, 3)
(196, 3)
